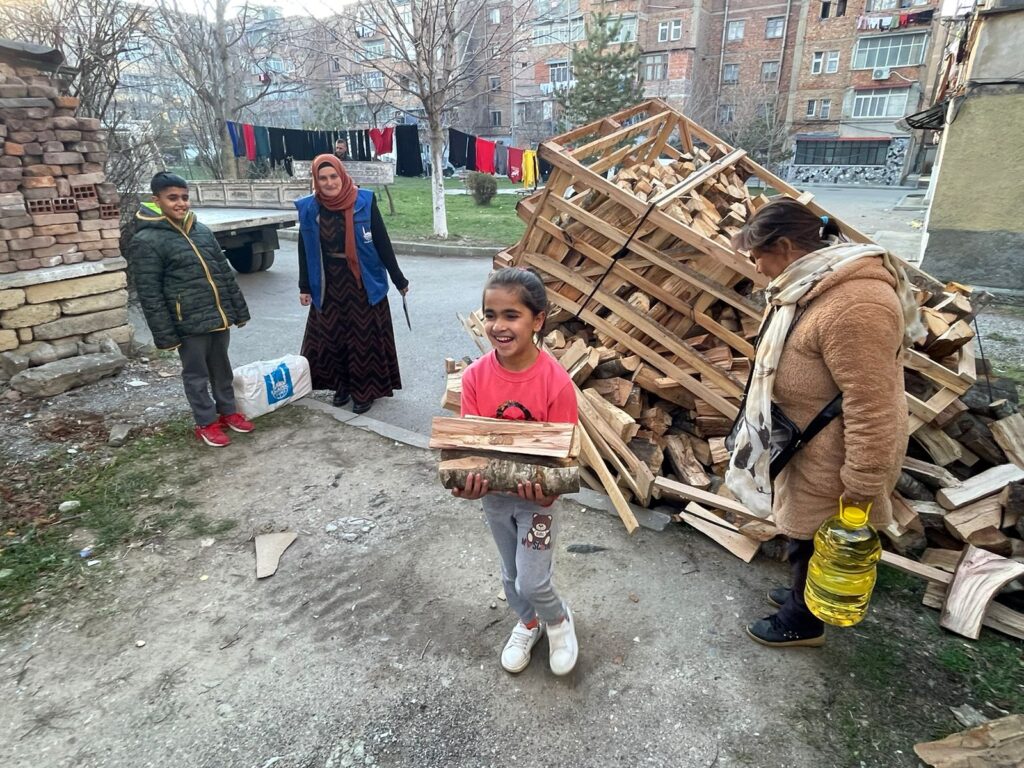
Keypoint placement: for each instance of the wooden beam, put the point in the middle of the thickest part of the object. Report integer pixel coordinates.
(596, 463)
(673, 490)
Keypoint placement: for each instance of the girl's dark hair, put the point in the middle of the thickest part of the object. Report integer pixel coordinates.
(525, 282)
(787, 218)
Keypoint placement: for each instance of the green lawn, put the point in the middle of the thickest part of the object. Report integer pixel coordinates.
(494, 224)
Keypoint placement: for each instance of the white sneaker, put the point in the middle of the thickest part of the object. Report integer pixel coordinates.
(516, 655)
(562, 645)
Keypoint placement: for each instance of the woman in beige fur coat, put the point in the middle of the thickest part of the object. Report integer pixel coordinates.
(836, 322)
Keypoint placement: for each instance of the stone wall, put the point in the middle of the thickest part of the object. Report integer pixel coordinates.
(63, 288)
(888, 174)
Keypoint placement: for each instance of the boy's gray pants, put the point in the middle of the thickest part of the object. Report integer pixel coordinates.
(205, 366)
(525, 535)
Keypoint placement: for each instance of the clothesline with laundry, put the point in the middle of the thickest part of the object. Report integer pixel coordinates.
(894, 20)
(281, 146)
(476, 154)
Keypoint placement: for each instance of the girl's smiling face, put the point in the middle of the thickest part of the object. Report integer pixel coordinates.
(511, 327)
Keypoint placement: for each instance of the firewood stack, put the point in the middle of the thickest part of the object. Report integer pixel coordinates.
(654, 316)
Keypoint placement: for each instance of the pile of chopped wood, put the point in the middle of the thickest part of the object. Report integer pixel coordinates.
(654, 316)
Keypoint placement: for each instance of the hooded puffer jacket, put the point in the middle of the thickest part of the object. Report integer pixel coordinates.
(185, 283)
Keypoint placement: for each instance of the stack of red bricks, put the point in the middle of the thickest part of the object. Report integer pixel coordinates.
(55, 207)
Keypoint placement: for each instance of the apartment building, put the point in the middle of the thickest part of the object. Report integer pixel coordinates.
(831, 77)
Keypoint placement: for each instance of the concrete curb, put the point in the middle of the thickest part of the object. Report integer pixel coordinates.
(438, 250)
(647, 518)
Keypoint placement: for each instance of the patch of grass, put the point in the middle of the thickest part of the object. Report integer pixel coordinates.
(895, 581)
(37, 554)
(992, 668)
(201, 525)
(997, 336)
(469, 223)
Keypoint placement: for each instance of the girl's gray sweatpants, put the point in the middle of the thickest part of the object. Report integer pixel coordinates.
(525, 535)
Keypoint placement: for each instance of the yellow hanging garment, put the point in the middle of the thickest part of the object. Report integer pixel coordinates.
(529, 168)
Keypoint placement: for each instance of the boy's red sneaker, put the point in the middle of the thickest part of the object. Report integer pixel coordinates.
(213, 435)
(237, 422)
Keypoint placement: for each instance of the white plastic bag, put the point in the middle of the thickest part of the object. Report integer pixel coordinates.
(266, 385)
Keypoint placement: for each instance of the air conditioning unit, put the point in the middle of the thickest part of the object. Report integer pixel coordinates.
(881, 73)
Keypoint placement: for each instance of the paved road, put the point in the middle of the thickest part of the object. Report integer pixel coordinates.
(439, 288)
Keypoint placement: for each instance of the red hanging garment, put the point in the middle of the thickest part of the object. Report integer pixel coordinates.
(515, 164)
(382, 140)
(249, 135)
(484, 155)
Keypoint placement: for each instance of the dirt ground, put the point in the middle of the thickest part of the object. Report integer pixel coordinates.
(377, 641)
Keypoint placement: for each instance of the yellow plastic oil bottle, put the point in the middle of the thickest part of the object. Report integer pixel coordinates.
(841, 574)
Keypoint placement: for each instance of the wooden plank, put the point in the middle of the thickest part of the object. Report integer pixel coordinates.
(1009, 434)
(988, 482)
(914, 568)
(978, 577)
(647, 378)
(673, 490)
(533, 438)
(934, 371)
(720, 531)
(596, 463)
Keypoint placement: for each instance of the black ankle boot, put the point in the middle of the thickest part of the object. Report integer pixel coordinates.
(341, 397)
(358, 407)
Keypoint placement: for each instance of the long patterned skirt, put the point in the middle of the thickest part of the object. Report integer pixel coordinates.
(349, 344)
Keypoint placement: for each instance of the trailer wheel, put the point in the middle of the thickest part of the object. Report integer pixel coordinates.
(244, 260)
(268, 261)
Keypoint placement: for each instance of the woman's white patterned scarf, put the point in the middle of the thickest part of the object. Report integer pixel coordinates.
(747, 476)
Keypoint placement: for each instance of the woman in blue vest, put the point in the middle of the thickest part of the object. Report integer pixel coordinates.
(345, 258)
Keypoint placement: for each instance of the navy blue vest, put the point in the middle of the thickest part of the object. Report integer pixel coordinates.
(372, 271)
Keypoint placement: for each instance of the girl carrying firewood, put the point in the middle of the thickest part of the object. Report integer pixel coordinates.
(519, 380)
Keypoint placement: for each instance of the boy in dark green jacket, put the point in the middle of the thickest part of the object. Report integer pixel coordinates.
(190, 299)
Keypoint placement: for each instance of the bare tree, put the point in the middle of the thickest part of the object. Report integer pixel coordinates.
(101, 41)
(432, 51)
(222, 66)
(753, 118)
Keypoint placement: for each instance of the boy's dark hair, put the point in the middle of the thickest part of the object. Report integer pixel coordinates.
(527, 283)
(163, 180)
(788, 218)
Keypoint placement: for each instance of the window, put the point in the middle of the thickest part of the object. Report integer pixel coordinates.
(655, 67)
(889, 51)
(841, 152)
(495, 83)
(495, 118)
(736, 30)
(840, 8)
(826, 8)
(374, 80)
(494, 16)
(812, 108)
(670, 30)
(558, 72)
(825, 109)
(354, 84)
(626, 28)
(731, 74)
(769, 71)
(774, 26)
(824, 61)
(554, 32)
(765, 110)
(890, 5)
(881, 102)
(373, 50)
(495, 52)
(726, 113)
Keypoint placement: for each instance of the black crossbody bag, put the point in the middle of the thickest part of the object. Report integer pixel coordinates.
(786, 437)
